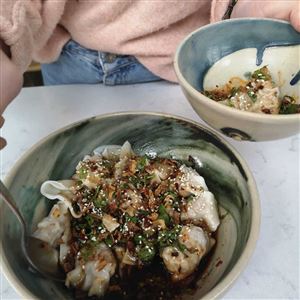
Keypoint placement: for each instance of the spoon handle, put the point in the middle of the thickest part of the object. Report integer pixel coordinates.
(8, 199)
(34, 253)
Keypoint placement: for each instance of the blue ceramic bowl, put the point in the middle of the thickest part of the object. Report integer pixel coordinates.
(56, 156)
(213, 54)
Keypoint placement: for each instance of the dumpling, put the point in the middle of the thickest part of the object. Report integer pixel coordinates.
(52, 227)
(125, 154)
(94, 275)
(60, 190)
(203, 206)
(181, 264)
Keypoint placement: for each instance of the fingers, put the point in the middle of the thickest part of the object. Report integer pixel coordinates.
(2, 141)
(11, 80)
(1, 121)
(288, 10)
(294, 18)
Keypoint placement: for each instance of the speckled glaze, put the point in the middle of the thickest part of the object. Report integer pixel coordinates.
(55, 157)
(216, 52)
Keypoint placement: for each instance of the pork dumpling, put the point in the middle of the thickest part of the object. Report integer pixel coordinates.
(126, 153)
(181, 264)
(94, 274)
(203, 207)
(52, 227)
(190, 182)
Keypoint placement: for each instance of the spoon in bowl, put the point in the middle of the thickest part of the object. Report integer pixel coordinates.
(40, 256)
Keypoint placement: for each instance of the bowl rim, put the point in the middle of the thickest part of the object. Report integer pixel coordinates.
(215, 105)
(250, 245)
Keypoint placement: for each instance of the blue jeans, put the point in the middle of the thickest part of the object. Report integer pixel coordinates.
(77, 64)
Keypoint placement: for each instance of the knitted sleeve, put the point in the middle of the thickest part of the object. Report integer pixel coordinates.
(27, 25)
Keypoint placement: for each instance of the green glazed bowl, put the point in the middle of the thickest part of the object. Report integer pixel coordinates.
(56, 156)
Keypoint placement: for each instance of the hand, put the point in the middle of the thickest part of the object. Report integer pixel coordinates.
(2, 141)
(11, 79)
(288, 10)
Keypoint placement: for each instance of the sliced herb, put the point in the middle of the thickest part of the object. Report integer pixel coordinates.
(176, 204)
(190, 198)
(109, 241)
(87, 194)
(289, 106)
(142, 163)
(97, 190)
(163, 215)
(86, 253)
(234, 91)
(106, 163)
(133, 219)
(89, 220)
(147, 178)
(262, 74)
(82, 173)
(171, 193)
(181, 247)
(252, 95)
(124, 186)
(88, 250)
(139, 239)
(142, 212)
(230, 103)
(135, 181)
(146, 254)
(169, 237)
(101, 203)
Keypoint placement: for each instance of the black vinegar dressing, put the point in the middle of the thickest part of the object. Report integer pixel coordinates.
(152, 282)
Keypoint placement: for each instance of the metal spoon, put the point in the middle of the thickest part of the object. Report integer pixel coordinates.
(40, 256)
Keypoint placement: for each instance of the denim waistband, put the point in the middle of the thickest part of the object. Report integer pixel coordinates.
(77, 64)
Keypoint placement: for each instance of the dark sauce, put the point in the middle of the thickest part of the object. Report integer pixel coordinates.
(152, 282)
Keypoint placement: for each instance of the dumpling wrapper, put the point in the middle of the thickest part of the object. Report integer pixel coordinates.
(60, 190)
(125, 154)
(108, 151)
(52, 227)
(94, 275)
(203, 207)
(181, 264)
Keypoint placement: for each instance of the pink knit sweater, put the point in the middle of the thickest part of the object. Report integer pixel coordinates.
(150, 30)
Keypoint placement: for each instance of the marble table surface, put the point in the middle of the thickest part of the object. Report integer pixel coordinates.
(273, 271)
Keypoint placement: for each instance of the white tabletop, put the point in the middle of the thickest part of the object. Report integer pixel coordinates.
(273, 271)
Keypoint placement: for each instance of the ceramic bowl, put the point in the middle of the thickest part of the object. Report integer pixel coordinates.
(55, 157)
(213, 54)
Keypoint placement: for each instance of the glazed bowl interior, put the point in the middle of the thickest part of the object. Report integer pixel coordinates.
(213, 54)
(282, 63)
(56, 156)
